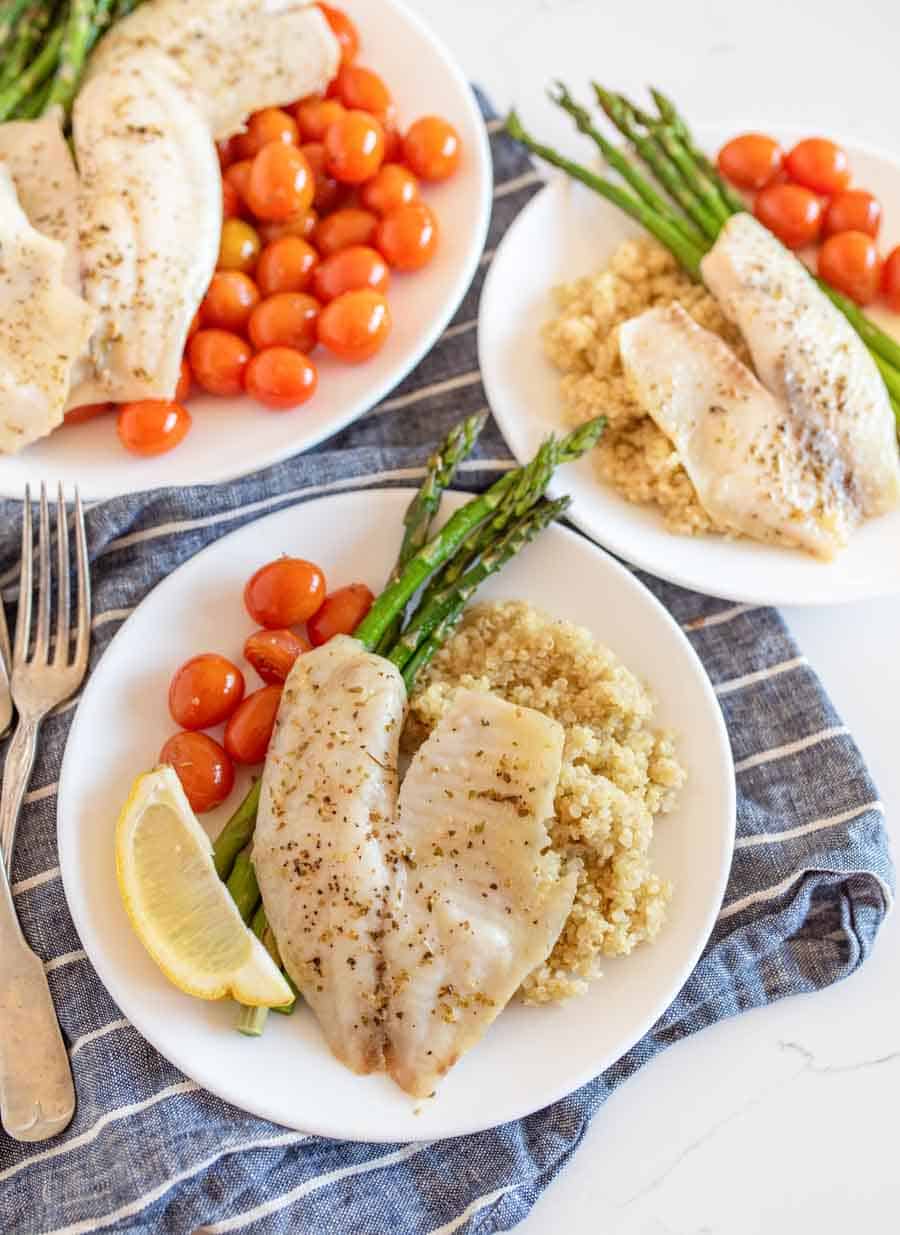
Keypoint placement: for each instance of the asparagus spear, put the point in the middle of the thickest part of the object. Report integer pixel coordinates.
(23, 40)
(73, 52)
(9, 15)
(37, 72)
(673, 119)
(243, 886)
(252, 1020)
(236, 833)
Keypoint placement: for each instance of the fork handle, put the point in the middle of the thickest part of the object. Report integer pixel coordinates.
(16, 775)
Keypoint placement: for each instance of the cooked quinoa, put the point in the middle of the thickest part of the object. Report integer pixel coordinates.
(634, 455)
(618, 773)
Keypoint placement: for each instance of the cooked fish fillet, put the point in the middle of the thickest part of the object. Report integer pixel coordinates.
(757, 467)
(233, 56)
(807, 353)
(44, 326)
(321, 852)
(478, 899)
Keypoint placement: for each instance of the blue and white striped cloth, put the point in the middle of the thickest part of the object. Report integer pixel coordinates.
(151, 1152)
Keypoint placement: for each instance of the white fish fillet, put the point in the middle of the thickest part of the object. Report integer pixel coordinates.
(478, 899)
(44, 326)
(753, 463)
(808, 355)
(232, 56)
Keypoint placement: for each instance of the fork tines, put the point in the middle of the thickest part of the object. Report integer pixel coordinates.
(40, 647)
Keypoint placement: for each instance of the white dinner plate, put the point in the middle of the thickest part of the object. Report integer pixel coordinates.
(231, 437)
(531, 1056)
(567, 231)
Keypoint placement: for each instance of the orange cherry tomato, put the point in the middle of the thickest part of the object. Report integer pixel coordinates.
(239, 246)
(751, 161)
(218, 360)
(203, 767)
(272, 652)
(890, 280)
(238, 175)
(393, 143)
(226, 150)
(231, 298)
(204, 691)
(287, 319)
(344, 31)
(850, 263)
(341, 613)
(302, 225)
(152, 426)
(281, 378)
(232, 205)
(431, 148)
(194, 326)
(328, 191)
(392, 185)
(269, 125)
(819, 164)
(854, 210)
(407, 236)
(280, 184)
(354, 147)
(286, 265)
(362, 89)
(87, 411)
(793, 213)
(355, 325)
(343, 228)
(185, 377)
(315, 115)
(348, 270)
(284, 592)
(249, 731)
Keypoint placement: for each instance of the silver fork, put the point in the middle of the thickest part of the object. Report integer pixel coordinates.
(6, 709)
(37, 1096)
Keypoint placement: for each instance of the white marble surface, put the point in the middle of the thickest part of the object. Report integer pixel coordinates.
(781, 1120)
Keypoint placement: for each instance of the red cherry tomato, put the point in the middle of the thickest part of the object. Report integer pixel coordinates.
(348, 270)
(343, 228)
(287, 319)
(854, 210)
(314, 116)
(328, 191)
(232, 204)
(281, 378)
(218, 360)
(354, 147)
(87, 411)
(286, 265)
(751, 161)
(344, 31)
(850, 263)
(392, 185)
(355, 325)
(204, 769)
(272, 652)
(249, 731)
(341, 613)
(237, 175)
(407, 236)
(152, 426)
(204, 691)
(362, 89)
(231, 298)
(793, 213)
(280, 183)
(431, 148)
(284, 592)
(890, 280)
(269, 125)
(819, 164)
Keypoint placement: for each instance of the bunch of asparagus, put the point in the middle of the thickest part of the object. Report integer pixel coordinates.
(44, 45)
(695, 201)
(444, 571)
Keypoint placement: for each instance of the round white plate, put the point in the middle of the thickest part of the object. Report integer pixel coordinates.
(531, 1056)
(567, 231)
(231, 437)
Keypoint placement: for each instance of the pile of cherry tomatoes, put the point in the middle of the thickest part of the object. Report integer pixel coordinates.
(288, 601)
(805, 198)
(321, 203)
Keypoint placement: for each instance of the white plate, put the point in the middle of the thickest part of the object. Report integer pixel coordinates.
(231, 437)
(531, 1056)
(567, 231)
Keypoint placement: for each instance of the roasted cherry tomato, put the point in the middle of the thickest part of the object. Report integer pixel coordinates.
(355, 325)
(890, 280)
(88, 411)
(344, 31)
(407, 236)
(819, 164)
(341, 613)
(315, 115)
(249, 731)
(204, 691)
(850, 263)
(185, 378)
(354, 147)
(854, 210)
(348, 270)
(287, 319)
(218, 360)
(152, 426)
(751, 161)
(280, 184)
(302, 225)
(284, 592)
(793, 213)
(237, 175)
(232, 203)
(431, 148)
(269, 125)
(204, 769)
(231, 298)
(272, 652)
(343, 228)
(328, 191)
(362, 89)
(392, 185)
(239, 246)
(286, 265)
(281, 378)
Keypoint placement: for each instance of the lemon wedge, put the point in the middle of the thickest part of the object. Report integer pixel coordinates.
(180, 909)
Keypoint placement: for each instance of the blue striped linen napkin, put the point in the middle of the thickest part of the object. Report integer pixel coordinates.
(151, 1152)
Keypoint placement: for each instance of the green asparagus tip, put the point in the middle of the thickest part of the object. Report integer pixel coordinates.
(582, 439)
(514, 126)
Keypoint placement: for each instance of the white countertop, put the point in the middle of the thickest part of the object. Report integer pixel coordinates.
(774, 1121)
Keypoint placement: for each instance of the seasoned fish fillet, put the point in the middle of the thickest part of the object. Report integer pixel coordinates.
(321, 851)
(810, 357)
(478, 900)
(44, 326)
(757, 467)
